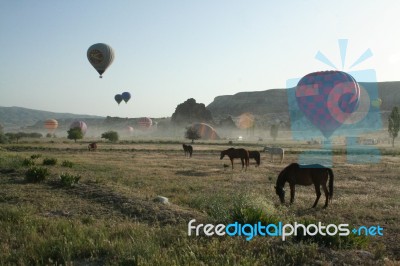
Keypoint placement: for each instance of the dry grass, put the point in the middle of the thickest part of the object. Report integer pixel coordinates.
(119, 182)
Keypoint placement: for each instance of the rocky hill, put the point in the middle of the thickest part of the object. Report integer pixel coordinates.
(14, 118)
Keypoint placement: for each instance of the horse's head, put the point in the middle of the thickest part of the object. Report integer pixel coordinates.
(281, 193)
(222, 155)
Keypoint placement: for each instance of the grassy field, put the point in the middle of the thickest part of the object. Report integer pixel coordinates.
(111, 217)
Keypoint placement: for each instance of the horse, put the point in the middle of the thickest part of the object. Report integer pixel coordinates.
(92, 146)
(277, 151)
(256, 156)
(305, 175)
(188, 149)
(233, 153)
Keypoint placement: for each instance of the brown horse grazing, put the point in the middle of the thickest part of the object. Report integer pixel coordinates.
(233, 153)
(256, 156)
(92, 146)
(188, 149)
(305, 175)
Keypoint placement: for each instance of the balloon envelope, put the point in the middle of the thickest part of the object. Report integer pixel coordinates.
(79, 124)
(205, 130)
(145, 122)
(327, 99)
(51, 125)
(126, 96)
(376, 103)
(100, 55)
(118, 98)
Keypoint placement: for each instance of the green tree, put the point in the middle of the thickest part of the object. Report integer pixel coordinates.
(75, 133)
(190, 112)
(110, 135)
(274, 131)
(192, 133)
(394, 124)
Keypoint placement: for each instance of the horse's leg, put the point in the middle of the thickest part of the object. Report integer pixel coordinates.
(318, 192)
(232, 163)
(292, 192)
(326, 194)
(242, 160)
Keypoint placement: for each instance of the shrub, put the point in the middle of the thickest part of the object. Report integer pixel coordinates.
(67, 163)
(28, 162)
(49, 161)
(69, 180)
(35, 156)
(110, 135)
(36, 174)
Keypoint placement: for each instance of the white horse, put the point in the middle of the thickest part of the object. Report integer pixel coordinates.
(275, 151)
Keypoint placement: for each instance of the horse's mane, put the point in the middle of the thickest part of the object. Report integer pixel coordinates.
(282, 175)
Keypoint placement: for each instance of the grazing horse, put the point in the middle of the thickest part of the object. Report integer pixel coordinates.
(277, 151)
(92, 146)
(256, 156)
(188, 149)
(305, 175)
(233, 153)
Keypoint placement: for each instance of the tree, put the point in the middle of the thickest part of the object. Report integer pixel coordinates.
(75, 133)
(394, 124)
(192, 133)
(190, 111)
(110, 135)
(274, 131)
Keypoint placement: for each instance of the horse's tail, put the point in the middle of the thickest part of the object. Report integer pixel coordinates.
(330, 172)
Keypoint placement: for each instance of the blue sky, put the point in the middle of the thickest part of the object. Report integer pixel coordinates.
(169, 51)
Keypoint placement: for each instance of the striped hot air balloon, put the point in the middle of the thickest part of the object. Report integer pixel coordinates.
(51, 125)
(145, 122)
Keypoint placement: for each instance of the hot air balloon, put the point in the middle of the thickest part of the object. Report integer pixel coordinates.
(205, 130)
(130, 130)
(376, 102)
(126, 96)
(51, 125)
(100, 55)
(145, 122)
(328, 99)
(79, 124)
(118, 98)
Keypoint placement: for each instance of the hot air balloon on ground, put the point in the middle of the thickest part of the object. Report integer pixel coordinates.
(376, 102)
(118, 98)
(100, 55)
(79, 124)
(145, 122)
(126, 96)
(206, 131)
(51, 125)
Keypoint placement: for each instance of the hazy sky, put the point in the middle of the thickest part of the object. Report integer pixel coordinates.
(169, 51)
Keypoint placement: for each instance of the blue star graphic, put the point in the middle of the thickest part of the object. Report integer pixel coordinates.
(354, 231)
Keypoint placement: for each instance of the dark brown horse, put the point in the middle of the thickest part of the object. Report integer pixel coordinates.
(92, 146)
(305, 175)
(233, 153)
(256, 156)
(188, 149)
